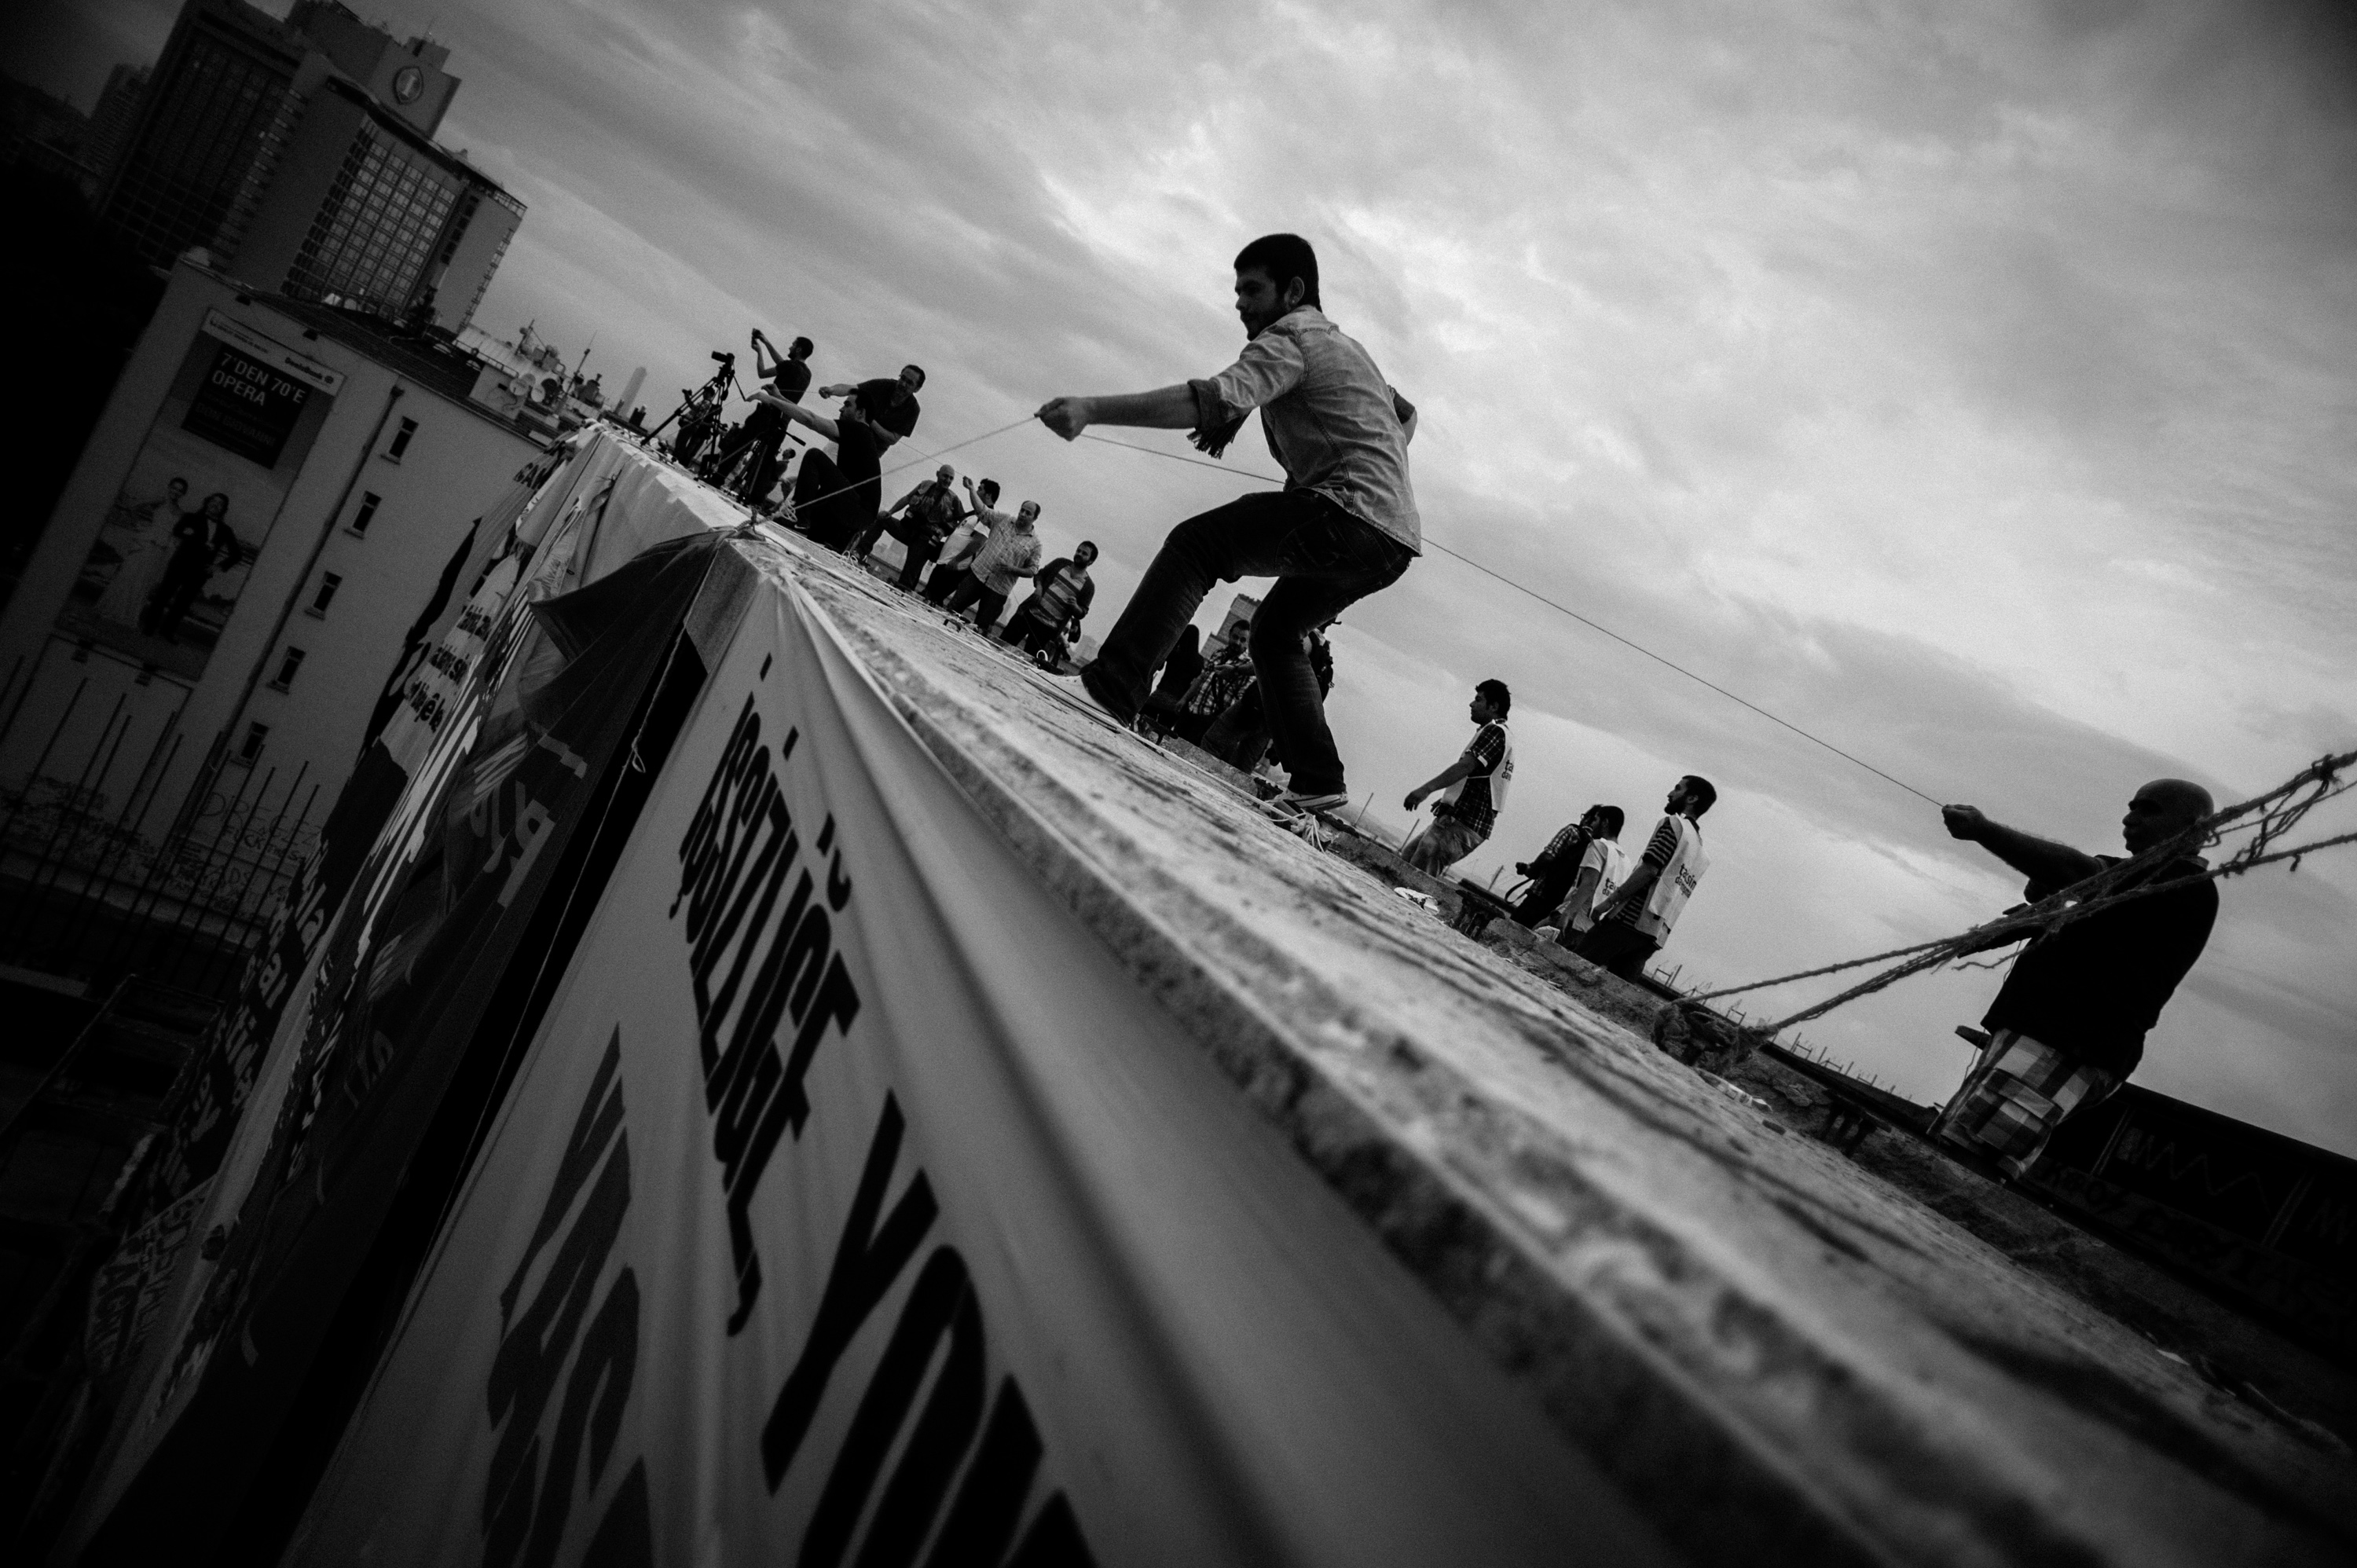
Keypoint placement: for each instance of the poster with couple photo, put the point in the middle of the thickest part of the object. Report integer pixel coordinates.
(173, 552)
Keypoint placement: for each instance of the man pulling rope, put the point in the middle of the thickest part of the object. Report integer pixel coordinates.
(1345, 525)
(2111, 937)
(2068, 1025)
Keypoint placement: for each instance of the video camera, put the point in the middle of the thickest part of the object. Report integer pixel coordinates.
(727, 361)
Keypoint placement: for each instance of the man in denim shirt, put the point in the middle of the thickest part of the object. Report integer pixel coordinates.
(1343, 527)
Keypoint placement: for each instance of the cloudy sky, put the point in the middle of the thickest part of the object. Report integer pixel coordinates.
(1974, 386)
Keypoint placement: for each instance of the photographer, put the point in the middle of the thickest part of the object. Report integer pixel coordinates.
(765, 428)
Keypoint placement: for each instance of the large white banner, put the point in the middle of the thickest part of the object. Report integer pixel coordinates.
(854, 1204)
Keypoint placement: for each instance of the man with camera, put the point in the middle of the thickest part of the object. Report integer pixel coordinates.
(920, 521)
(765, 428)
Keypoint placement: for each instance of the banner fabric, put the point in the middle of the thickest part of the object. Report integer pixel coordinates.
(501, 770)
(853, 1203)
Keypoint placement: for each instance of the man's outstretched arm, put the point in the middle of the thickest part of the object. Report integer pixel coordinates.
(1165, 408)
(2048, 864)
(1455, 771)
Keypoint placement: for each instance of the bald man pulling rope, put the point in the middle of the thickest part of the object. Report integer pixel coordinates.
(2068, 1025)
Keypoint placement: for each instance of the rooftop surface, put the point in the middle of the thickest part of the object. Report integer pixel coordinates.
(438, 364)
(1779, 1353)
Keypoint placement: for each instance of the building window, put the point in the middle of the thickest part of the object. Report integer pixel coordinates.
(370, 501)
(255, 734)
(287, 665)
(401, 439)
(375, 235)
(329, 583)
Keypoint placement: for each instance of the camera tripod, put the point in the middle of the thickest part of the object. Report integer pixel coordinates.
(698, 412)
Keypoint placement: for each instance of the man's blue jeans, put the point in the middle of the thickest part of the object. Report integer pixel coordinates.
(1323, 558)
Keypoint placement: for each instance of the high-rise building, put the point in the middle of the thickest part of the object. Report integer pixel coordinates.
(367, 213)
(41, 130)
(301, 157)
(405, 78)
(117, 116)
(217, 111)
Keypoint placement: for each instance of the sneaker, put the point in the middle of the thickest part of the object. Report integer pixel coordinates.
(1293, 802)
(1299, 814)
(1076, 684)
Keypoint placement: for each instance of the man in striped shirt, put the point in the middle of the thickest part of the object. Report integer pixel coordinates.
(1631, 926)
(1060, 596)
(1473, 788)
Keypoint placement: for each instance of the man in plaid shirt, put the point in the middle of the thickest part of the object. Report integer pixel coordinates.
(1475, 786)
(1009, 555)
(2068, 1025)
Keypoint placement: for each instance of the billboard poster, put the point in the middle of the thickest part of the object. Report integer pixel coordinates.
(173, 552)
(854, 1204)
(434, 953)
(215, 1145)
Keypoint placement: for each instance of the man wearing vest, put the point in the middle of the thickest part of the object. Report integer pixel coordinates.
(2068, 1025)
(1631, 926)
(1473, 788)
(1580, 867)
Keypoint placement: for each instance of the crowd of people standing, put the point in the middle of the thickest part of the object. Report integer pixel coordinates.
(958, 549)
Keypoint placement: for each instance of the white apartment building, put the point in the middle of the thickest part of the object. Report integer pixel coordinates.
(269, 500)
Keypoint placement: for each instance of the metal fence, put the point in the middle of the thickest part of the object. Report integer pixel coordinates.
(89, 890)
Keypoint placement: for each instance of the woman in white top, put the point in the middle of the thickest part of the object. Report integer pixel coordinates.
(146, 551)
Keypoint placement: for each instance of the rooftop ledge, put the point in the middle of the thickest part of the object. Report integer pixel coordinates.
(1777, 1354)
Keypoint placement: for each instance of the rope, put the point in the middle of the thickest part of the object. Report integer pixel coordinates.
(917, 462)
(2273, 813)
(970, 441)
(1574, 615)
